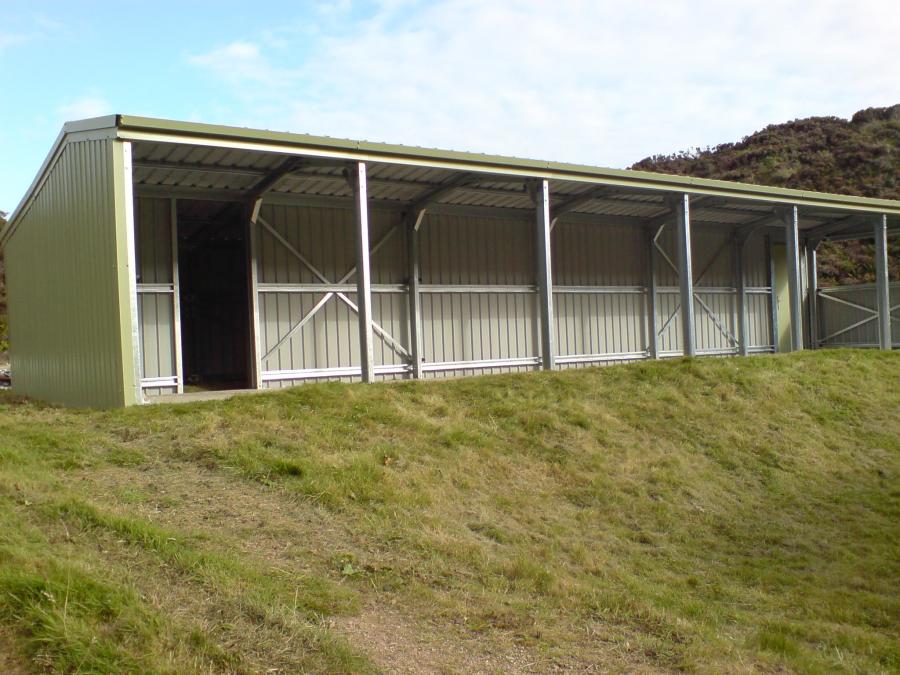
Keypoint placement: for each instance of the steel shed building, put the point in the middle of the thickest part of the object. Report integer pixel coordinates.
(151, 256)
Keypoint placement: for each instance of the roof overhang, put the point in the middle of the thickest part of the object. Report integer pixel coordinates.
(232, 162)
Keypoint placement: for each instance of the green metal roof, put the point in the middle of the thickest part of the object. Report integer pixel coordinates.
(129, 127)
(476, 161)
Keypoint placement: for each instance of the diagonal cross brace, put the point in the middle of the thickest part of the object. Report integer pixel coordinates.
(392, 343)
(718, 324)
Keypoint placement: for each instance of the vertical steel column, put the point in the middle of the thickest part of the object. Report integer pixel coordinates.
(812, 290)
(176, 297)
(256, 364)
(741, 294)
(363, 273)
(137, 364)
(652, 320)
(682, 206)
(792, 238)
(882, 283)
(415, 299)
(773, 297)
(544, 272)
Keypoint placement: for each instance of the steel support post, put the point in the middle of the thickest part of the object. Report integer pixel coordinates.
(652, 320)
(363, 272)
(740, 284)
(773, 296)
(176, 298)
(545, 277)
(682, 209)
(415, 297)
(882, 284)
(792, 239)
(134, 335)
(812, 290)
(256, 358)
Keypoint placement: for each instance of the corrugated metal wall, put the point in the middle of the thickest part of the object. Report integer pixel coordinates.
(156, 294)
(715, 292)
(479, 304)
(847, 316)
(478, 297)
(306, 282)
(600, 292)
(65, 271)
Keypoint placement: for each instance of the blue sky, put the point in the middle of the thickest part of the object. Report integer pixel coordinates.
(590, 81)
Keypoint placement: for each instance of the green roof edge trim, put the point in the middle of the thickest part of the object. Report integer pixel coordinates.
(474, 160)
(461, 160)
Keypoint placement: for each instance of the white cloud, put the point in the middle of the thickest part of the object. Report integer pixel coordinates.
(242, 65)
(84, 108)
(580, 80)
(12, 39)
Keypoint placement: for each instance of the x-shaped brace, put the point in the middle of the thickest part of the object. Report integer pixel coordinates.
(718, 324)
(390, 341)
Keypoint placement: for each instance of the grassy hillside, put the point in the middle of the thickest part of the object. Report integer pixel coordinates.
(859, 156)
(718, 515)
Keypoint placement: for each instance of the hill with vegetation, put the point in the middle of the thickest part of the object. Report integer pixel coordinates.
(711, 515)
(860, 156)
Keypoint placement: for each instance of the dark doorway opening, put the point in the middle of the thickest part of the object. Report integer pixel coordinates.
(214, 281)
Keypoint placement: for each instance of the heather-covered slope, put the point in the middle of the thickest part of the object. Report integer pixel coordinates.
(859, 156)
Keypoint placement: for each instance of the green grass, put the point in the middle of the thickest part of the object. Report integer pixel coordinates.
(706, 515)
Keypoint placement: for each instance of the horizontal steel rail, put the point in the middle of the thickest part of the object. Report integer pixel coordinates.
(327, 288)
(449, 288)
(323, 373)
(700, 290)
(476, 288)
(481, 365)
(159, 382)
(601, 358)
(600, 290)
(161, 289)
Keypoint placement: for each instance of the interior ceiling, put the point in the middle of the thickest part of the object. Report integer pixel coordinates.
(195, 168)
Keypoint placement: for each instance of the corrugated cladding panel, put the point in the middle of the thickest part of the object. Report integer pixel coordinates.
(715, 293)
(837, 317)
(63, 273)
(613, 259)
(759, 292)
(156, 310)
(325, 237)
(480, 326)
(600, 290)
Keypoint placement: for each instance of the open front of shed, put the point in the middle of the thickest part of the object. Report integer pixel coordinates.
(150, 259)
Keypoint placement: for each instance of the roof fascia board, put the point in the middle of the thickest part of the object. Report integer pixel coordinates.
(610, 177)
(140, 128)
(92, 124)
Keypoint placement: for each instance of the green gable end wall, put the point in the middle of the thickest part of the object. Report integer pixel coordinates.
(67, 273)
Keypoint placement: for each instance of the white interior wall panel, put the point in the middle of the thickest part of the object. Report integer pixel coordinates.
(479, 310)
(715, 293)
(464, 319)
(478, 298)
(759, 294)
(156, 293)
(848, 316)
(327, 345)
(600, 289)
